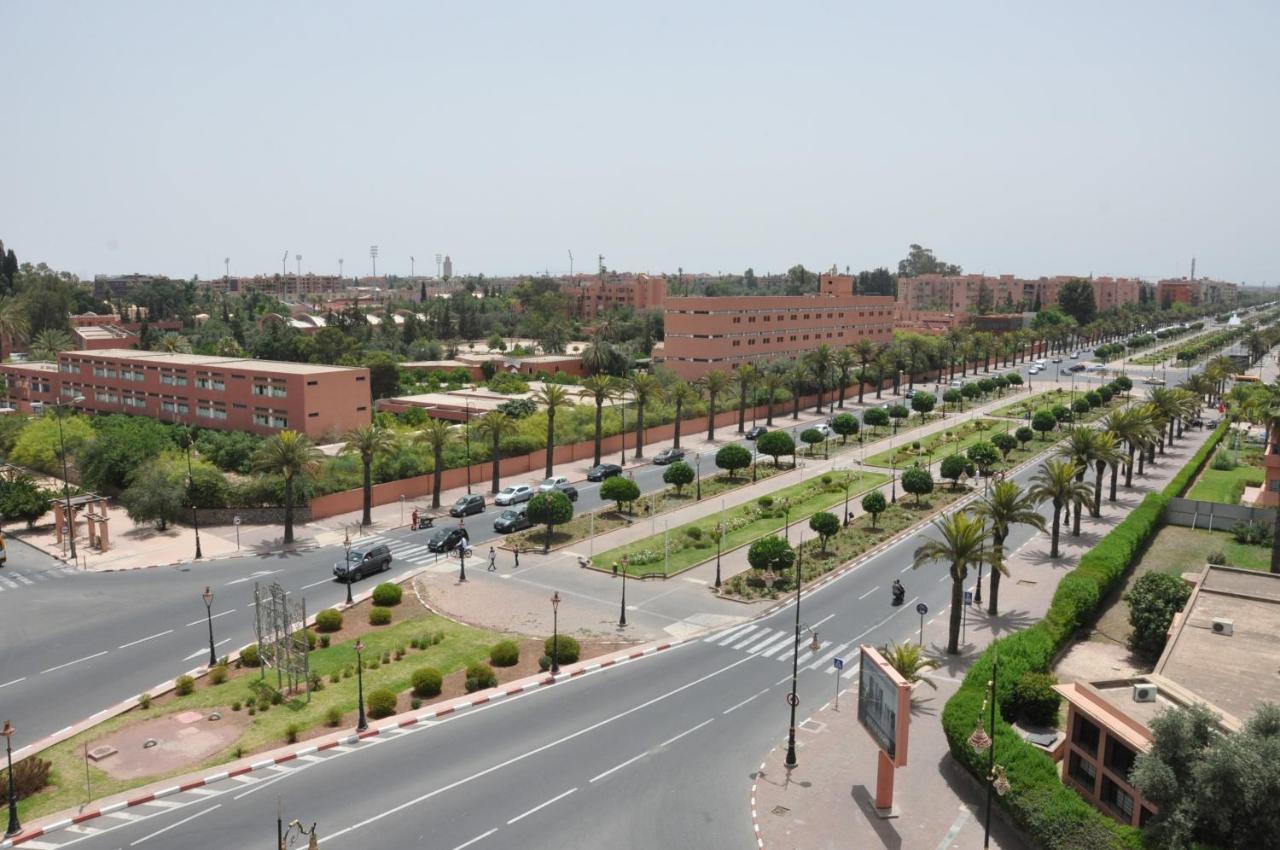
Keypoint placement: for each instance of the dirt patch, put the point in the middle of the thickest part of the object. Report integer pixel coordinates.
(181, 739)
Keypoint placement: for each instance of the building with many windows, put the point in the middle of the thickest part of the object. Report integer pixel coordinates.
(591, 296)
(224, 393)
(972, 293)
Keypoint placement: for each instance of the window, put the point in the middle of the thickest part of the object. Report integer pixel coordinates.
(175, 407)
(68, 392)
(207, 383)
(1117, 798)
(1086, 735)
(171, 380)
(104, 372)
(132, 375)
(107, 397)
(1083, 771)
(209, 412)
(69, 368)
(1119, 758)
(134, 401)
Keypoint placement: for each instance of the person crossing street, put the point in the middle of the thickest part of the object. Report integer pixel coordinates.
(493, 560)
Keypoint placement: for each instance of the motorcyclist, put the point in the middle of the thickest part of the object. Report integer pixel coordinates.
(898, 592)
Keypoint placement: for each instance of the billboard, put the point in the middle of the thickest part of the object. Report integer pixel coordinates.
(884, 704)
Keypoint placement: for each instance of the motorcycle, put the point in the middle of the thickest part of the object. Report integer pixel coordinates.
(899, 594)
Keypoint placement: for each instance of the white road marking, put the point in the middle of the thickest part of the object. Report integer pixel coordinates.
(868, 593)
(202, 651)
(748, 637)
(174, 825)
(251, 577)
(541, 806)
(77, 661)
(786, 643)
(770, 637)
(726, 638)
(204, 620)
(479, 837)
(619, 767)
(956, 826)
(145, 639)
(823, 620)
(14, 682)
(316, 583)
(686, 732)
(744, 702)
(828, 656)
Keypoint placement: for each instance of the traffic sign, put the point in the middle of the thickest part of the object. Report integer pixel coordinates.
(968, 597)
(793, 700)
(922, 609)
(237, 520)
(838, 662)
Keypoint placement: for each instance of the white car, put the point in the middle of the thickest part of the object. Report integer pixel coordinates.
(555, 482)
(1153, 381)
(824, 429)
(514, 494)
(1075, 355)
(1042, 362)
(957, 384)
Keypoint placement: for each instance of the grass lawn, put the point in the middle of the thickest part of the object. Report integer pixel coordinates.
(459, 645)
(939, 444)
(687, 548)
(1227, 486)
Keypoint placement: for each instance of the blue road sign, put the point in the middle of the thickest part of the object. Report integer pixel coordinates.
(838, 662)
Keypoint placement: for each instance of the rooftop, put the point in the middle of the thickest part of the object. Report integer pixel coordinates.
(245, 363)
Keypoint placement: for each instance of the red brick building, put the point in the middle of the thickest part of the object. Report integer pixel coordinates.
(223, 393)
(962, 294)
(591, 296)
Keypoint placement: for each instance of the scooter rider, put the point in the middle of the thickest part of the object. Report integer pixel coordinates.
(898, 592)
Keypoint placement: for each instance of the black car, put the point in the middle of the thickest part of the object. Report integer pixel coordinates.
(603, 471)
(512, 519)
(757, 432)
(670, 455)
(467, 505)
(569, 490)
(363, 562)
(446, 539)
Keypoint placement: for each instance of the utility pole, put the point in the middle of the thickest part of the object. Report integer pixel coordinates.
(411, 267)
(284, 260)
(298, 257)
(226, 262)
(339, 267)
(571, 264)
(439, 259)
(373, 255)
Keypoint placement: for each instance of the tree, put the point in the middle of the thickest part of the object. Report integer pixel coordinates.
(909, 660)
(984, 456)
(747, 377)
(678, 475)
(825, 525)
(954, 397)
(173, 343)
(923, 403)
(874, 503)
(39, 444)
(120, 446)
(46, 344)
(714, 384)
(1024, 435)
(920, 260)
(367, 442)
(494, 426)
(22, 499)
(1055, 481)
(154, 496)
(620, 490)
(845, 360)
(1005, 506)
(290, 455)
(642, 387)
(599, 388)
(821, 361)
(1005, 443)
(1076, 299)
(552, 397)
(679, 394)
(550, 508)
(898, 413)
(771, 553)
(1044, 421)
(846, 425)
(13, 320)
(875, 417)
(953, 467)
(865, 349)
(917, 481)
(436, 435)
(960, 543)
(771, 380)
(1155, 598)
(775, 444)
(733, 457)
(811, 437)
(797, 378)
(384, 374)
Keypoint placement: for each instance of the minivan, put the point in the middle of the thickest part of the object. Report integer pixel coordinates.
(363, 562)
(467, 505)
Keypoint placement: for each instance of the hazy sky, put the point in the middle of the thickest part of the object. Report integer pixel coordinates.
(1029, 138)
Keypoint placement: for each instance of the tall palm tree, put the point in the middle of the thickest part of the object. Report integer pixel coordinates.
(714, 384)
(821, 361)
(1106, 452)
(288, 454)
(174, 343)
(1174, 406)
(599, 388)
(436, 434)
(48, 343)
(1080, 448)
(679, 394)
(643, 387)
(954, 341)
(845, 361)
(773, 380)
(865, 349)
(797, 378)
(884, 366)
(552, 397)
(1005, 506)
(495, 425)
(1055, 481)
(368, 441)
(961, 546)
(13, 320)
(747, 377)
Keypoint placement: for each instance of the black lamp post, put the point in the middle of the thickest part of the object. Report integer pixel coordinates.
(466, 431)
(555, 633)
(462, 561)
(361, 723)
(346, 544)
(66, 479)
(14, 826)
(786, 512)
(622, 615)
(207, 596)
(997, 781)
(719, 541)
(697, 468)
(195, 514)
(794, 700)
(893, 479)
(848, 479)
(622, 411)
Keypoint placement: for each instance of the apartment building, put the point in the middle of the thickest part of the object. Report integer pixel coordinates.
(592, 296)
(224, 393)
(287, 284)
(1004, 293)
(704, 333)
(118, 285)
(1196, 292)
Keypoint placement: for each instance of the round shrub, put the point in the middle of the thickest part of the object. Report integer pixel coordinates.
(504, 653)
(217, 674)
(1153, 601)
(291, 733)
(693, 532)
(1217, 559)
(544, 663)
(568, 646)
(249, 656)
(480, 676)
(379, 616)
(310, 637)
(427, 682)
(1035, 700)
(387, 594)
(328, 620)
(277, 698)
(324, 641)
(765, 502)
(381, 702)
(333, 716)
(1080, 405)
(235, 706)
(184, 685)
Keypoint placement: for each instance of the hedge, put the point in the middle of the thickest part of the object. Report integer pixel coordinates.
(1182, 481)
(1053, 815)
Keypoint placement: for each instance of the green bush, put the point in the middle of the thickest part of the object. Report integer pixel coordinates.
(328, 620)
(1035, 700)
(381, 703)
(379, 616)
(694, 533)
(29, 776)
(183, 685)
(387, 594)
(291, 733)
(249, 656)
(333, 716)
(1181, 482)
(480, 676)
(144, 701)
(427, 682)
(765, 502)
(1153, 601)
(324, 641)
(504, 653)
(568, 646)
(217, 674)
(235, 705)
(277, 698)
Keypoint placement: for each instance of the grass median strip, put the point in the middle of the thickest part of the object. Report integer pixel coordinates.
(938, 444)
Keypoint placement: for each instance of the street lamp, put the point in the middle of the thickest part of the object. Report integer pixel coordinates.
(361, 723)
(622, 615)
(697, 467)
(996, 779)
(786, 510)
(462, 558)
(14, 826)
(207, 596)
(622, 411)
(195, 514)
(346, 544)
(466, 432)
(296, 828)
(66, 480)
(719, 541)
(893, 478)
(555, 633)
(794, 700)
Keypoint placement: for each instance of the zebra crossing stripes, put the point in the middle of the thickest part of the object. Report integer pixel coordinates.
(779, 645)
(401, 549)
(14, 580)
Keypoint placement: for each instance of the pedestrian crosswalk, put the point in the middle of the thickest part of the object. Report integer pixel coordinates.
(779, 645)
(11, 579)
(403, 551)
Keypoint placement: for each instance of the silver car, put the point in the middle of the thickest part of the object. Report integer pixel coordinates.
(513, 494)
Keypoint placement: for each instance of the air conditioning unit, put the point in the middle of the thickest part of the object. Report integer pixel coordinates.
(1223, 626)
(1145, 692)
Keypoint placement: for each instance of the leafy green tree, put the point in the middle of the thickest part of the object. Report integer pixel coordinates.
(875, 417)
(600, 389)
(825, 525)
(917, 481)
(715, 384)
(971, 390)
(874, 503)
(923, 403)
(1153, 601)
(155, 495)
(290, 455)
(1077, 300)
(954, 397)
(733, 457)
(1043, 421)
(436, 435)
(1005, 443)
(121, 445)
(38, 445)
(552, 397)
(1024, 435)
(495, 426)
(811, 437)
(1013, 379)
(384, 374)
(678, 475)
(22, 499)
(953, 467)
(846, 425)
(624, 491)
(1005, 506)
(775, 444)
(771, 553)
(984, 455)
(1060, 412)
(961, 544)
(920, 260)
(898, 413)
(551, 508)
(230, 451)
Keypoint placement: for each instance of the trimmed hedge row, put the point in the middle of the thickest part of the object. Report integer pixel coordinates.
(1053, 815)
(1181, 482)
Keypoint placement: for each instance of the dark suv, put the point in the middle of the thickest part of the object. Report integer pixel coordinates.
(446, 539)
(670, 455)
(512, 519)
(468, 505)
(603, 471)
(363, 562)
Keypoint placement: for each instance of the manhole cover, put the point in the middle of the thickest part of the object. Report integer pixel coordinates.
(781, 810)
(215, 716)
(99, 753)
(813, 726)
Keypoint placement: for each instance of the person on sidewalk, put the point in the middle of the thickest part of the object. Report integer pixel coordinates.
(413, 519)
(517, 551)
(493, 560)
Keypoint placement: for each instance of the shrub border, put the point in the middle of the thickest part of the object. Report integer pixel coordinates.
(1181, 483)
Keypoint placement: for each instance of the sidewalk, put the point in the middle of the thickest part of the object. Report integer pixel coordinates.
(826, 801)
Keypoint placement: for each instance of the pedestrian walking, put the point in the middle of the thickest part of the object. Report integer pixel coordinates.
(414, 519)
(493, 560)
(517, 551)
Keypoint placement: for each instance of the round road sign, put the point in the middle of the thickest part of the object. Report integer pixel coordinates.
(237, 520)
(922, 609)
(793, 700)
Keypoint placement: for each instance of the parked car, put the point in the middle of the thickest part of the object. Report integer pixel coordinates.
(909, 394)
(1075, 355)
(956, 383)
(568, 489)
(1153, 381)
(512, 519)
(757, 432)
(602, 471)
(824, 429)
(362, 562)
(1057, 360)
(668, 455)
(513, 494)
(446, 539)
(468, 505)
(553, 483)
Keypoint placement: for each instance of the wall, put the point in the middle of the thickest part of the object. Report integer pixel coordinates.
(1214, 516)
(250, 516)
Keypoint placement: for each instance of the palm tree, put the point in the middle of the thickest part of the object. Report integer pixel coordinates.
(367, 442)
(599, 388)
(679, 394)
(288, 454)
(1173, 406)
(1080, 448)
(598, 356)
(1055, 481)
(954, 342)
(174, 343)
(962, 546)
(48, 343)
(495, 425)
(1106, 451)
(13, 320)
(747, 376)
(845, 361)
(821, 361)
(643, 387)
(910, 662)
(797, 377)
(552, 397)
(865, 349)
(715, 384)
(772, 380)
(1005, 506)
(884, 366)
(436, 435)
